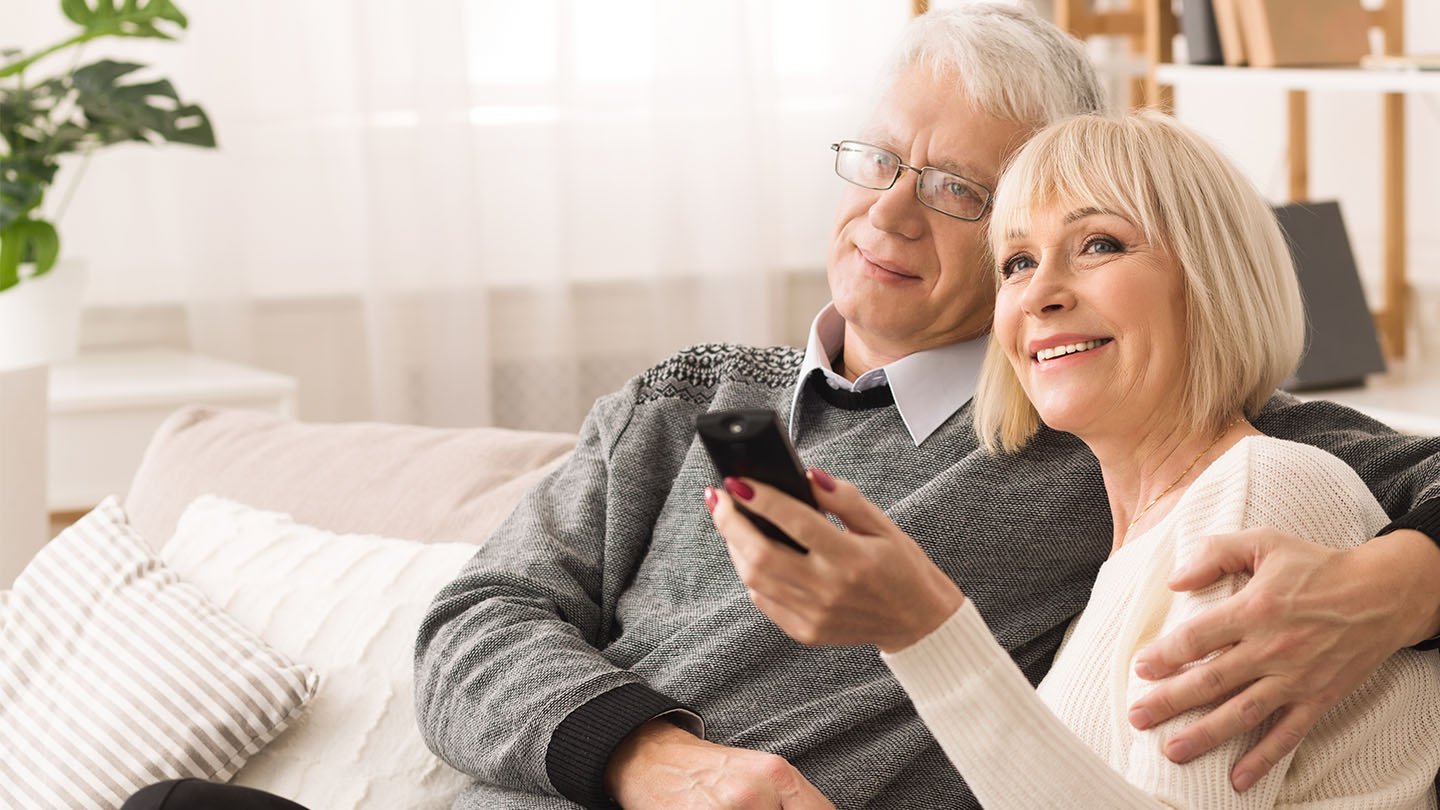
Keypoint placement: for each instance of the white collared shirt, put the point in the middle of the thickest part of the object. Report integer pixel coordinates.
(929, 386)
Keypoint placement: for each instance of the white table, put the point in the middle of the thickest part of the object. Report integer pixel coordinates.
(104, 407)
(1406, 398)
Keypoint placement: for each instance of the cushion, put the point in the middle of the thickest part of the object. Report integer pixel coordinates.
(115, 674)
(417, 483)
(351, 606)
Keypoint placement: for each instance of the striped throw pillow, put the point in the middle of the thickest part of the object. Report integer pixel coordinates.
(114, 674)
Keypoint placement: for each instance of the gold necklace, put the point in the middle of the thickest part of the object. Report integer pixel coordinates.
(1182, 475)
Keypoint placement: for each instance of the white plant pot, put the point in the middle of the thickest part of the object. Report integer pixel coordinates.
(40, 317)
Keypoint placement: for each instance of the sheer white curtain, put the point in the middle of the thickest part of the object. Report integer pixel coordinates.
(462, 212)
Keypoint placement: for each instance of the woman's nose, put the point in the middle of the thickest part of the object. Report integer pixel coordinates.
(1047, 292)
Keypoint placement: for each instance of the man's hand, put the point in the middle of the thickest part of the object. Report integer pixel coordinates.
(664, 767)
(1303, 634)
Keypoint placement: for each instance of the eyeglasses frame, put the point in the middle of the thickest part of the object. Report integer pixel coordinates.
(984, 207)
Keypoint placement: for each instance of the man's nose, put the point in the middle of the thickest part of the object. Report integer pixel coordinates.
(896, 210)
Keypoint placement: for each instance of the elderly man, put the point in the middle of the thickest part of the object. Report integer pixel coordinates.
(600, 648)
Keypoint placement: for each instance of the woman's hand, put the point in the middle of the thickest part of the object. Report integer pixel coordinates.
(871, 584)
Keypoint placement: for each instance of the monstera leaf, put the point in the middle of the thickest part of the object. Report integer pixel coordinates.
(93, 106)
(27, 240)
(133, 18)
(143, 111)
(107, 18)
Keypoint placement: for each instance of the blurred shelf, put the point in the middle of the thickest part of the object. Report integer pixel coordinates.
(1355, 79)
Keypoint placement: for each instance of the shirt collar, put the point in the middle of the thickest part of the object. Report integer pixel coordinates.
(929, 386)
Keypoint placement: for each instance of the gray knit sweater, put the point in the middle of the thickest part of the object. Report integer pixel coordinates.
(608, 596)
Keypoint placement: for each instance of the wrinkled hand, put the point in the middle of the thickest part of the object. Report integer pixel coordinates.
(663, 767)
(1303, 634)
(871, 584)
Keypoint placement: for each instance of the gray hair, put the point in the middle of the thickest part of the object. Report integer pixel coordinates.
(1010, 62)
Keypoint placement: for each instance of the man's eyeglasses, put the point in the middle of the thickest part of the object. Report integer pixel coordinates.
(875, 168)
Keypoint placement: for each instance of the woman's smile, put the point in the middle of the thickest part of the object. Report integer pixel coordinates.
(1052, 352)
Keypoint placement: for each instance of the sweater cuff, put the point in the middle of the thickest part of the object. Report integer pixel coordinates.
(941, 662)
(1425, 519)
(583, 742)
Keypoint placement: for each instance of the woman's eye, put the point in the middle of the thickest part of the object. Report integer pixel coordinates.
(1016, 264)
(1102, 244)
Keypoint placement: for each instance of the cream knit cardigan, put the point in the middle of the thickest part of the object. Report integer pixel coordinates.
(1068, 743)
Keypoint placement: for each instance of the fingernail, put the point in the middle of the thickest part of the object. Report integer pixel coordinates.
(1143, 670)
(739, 488)
(711, 498)
(822, 478)
(1243, 781)
(1178, 751)
(1140, 718)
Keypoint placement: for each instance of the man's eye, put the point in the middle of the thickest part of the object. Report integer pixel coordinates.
(954, 188)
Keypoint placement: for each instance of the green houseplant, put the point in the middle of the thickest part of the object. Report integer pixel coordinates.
(78, 111)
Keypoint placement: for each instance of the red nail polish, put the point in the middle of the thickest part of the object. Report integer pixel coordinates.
(711, 498)
(739, 488)
(822, 478)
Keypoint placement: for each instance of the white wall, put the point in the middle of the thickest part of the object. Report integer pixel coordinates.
(141, 303)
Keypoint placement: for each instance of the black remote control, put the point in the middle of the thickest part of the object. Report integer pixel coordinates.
(749, 442)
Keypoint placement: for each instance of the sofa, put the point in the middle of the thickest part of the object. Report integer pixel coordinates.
(319, 546)
(417, 483)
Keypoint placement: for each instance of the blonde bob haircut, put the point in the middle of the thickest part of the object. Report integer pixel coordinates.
(1244, 320)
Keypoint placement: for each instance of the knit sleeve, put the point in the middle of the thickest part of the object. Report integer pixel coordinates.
(1379, 749)
(1014, 753)
(1401, 471)
(510, 684)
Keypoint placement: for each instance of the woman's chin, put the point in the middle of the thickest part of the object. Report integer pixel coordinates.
(1067, 420)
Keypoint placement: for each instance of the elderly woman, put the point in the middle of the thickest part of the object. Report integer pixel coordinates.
(1147, 304)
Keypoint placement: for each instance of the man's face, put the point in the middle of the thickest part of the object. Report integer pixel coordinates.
(905, 277)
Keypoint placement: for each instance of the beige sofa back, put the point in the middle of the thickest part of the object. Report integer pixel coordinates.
(417, 483)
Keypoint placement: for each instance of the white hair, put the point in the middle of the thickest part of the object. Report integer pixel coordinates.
(1012, 63)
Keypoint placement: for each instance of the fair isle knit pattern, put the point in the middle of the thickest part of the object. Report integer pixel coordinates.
(1069, 744)
(608, 596)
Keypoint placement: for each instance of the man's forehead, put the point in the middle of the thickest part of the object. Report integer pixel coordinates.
(954, 162)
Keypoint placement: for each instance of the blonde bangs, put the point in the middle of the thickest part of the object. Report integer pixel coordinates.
(1085, 163)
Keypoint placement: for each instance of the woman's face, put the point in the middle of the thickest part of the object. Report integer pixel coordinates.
(1092, 318)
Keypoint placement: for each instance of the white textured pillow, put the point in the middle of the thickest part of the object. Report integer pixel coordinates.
(115, 674)
(351, 606)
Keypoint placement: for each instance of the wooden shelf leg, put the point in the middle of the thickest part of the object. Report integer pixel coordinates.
(1299, 125)
(1396, 292)
(1072, 16)
(1160, 30)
